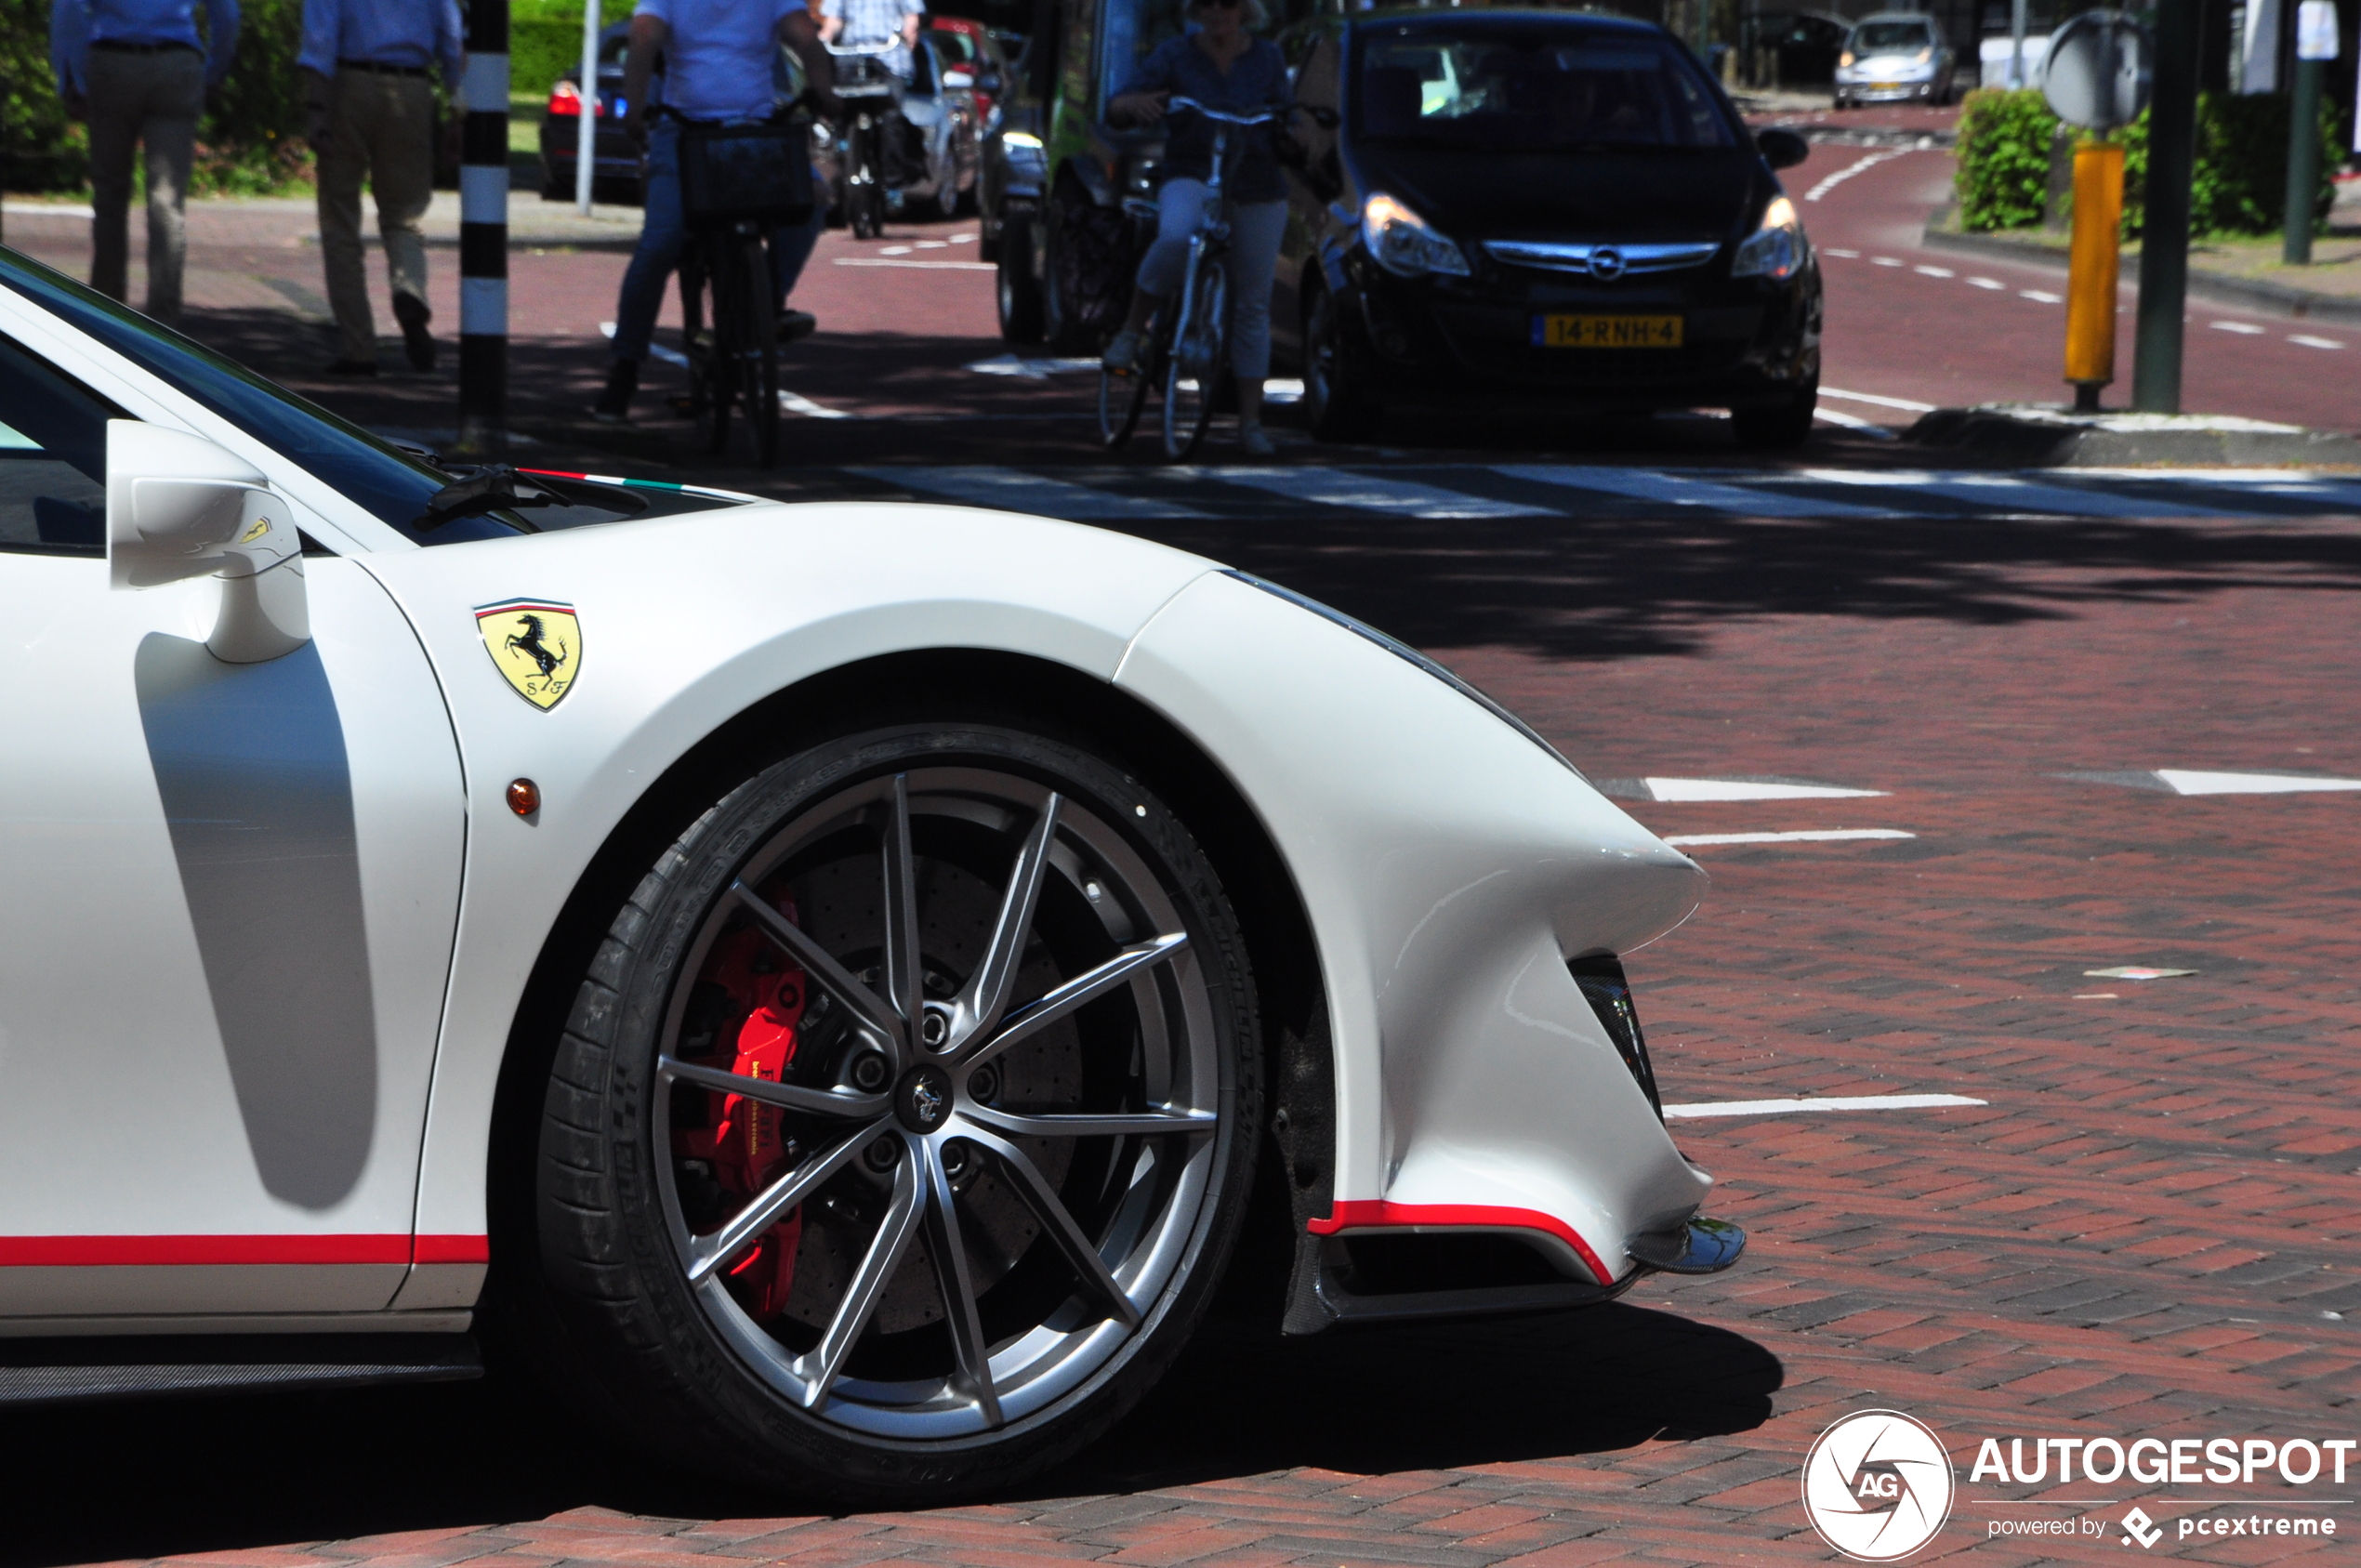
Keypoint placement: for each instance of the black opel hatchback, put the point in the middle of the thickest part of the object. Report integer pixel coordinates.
(1538, 208)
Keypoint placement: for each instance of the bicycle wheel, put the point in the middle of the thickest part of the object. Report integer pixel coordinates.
(1120, 400)
(1199, 344)
(759, 372)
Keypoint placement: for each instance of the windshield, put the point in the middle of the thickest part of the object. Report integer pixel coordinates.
(1891, 37)
(1518, 87)
(389, 483)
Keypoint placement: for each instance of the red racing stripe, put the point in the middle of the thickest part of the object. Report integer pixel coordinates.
(1367, 1214)
(452, 1249)
(98, 1252)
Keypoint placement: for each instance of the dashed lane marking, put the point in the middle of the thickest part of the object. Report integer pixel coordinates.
(2244, 329)
(1934, 271)
(1680, 490)
(1987, 283)
(1808, 835)
(1749, 789)
(2040, 296)
(2184, 780)
(2308, 341)
(1885, 261)
(1827, 1102)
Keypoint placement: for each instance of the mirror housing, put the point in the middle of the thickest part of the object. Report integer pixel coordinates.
(1782, 150)
(179, 507)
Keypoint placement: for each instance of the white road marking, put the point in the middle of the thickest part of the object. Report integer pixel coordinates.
(796, 403)
(1750, 789)
(1885, 261)
(2184, 780)
(1640, 484)
(1848, 255)
(1032, 369)
(2000, 492)
(1904, 404)
(1852, 422)
(922, 265)
(1934, 271)
(2245, 329)
(2040, 296)
(1828, 1102)
(1986, 283)
(1008, 490)
(1283, 389)
(1335, 487)
(926, 245)
(893, 250)
(1811, 836)
(2311, 342)
(1862, 166)
(962, 239)
(47, 209)
(655, 350)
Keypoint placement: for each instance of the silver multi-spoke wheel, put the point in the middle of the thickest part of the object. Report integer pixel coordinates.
(937, 1101)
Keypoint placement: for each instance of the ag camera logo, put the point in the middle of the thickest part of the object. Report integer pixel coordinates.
(1877, 1486)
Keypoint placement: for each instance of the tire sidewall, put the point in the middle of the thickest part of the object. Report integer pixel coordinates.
(684, 1364)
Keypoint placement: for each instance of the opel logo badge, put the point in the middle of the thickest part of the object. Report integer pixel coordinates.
(1606, 264)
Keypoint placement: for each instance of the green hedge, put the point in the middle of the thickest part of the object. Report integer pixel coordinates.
(2240, 185)
(2004, 158)
(545, 40)
(249, 143)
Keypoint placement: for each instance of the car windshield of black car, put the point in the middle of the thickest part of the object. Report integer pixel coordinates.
(1527, 89)
(1891, 37)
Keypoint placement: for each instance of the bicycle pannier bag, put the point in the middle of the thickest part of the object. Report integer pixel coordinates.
(745, 173)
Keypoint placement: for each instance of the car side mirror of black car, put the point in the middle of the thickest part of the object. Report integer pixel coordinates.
(1782, 150)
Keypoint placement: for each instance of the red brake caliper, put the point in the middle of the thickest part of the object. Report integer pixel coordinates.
(750, 1145)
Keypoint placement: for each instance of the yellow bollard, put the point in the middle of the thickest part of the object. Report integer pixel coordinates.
(2097, 261)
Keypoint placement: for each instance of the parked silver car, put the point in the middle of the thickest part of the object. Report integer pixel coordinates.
(1895, 56)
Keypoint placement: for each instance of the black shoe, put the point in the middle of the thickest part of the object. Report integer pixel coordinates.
(412, 312)
(352, 367)
(614, 406)
(796, 323)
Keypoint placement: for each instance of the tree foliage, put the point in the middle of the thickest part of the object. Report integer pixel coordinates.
(2004, 158)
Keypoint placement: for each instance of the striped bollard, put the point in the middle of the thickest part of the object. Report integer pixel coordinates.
(484, 235)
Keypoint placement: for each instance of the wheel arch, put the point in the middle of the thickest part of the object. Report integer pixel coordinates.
(982, 686)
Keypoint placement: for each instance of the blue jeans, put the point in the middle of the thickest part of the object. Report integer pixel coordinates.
(1252, 262)
(663, 232)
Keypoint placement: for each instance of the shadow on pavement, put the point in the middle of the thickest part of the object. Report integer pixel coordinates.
(1618, 584)
(138, 1479)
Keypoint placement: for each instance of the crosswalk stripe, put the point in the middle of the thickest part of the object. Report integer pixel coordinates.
(1015, 491)
(2004, 493)
(1641, 484)
(1366, 492)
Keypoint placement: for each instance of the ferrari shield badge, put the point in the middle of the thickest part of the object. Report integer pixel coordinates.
(535, 644)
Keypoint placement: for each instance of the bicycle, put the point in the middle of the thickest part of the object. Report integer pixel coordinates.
(737, 183)
(1188, 353)
(872, 94)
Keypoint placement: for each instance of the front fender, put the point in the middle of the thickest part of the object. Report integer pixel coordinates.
(686, 623)
(1450, 866)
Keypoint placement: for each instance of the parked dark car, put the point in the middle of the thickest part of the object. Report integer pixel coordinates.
(1522, 208)
(1792, 48)
(615, 169)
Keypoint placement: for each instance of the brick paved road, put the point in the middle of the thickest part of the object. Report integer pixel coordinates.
(2147, 1230)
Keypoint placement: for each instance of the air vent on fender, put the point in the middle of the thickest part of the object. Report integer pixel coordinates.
(1610, 997)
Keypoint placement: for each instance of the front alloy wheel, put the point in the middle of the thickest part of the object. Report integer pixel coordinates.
(916, 1146)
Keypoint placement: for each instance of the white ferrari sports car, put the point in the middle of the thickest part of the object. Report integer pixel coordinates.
(831, 985)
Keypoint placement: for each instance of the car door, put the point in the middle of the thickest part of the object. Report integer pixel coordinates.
(232, 892)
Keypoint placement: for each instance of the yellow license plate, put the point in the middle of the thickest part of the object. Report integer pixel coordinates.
(1884, 86)
(1607, 332)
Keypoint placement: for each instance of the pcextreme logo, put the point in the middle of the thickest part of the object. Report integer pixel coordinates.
(1877, 1486)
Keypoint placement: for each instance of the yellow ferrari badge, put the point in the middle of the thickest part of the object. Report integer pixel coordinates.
(535, 644)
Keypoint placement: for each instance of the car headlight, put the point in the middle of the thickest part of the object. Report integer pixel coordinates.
(1405, 652)
(1926, 55)
(1775, 248)
(1401, 241)
(1845, 59)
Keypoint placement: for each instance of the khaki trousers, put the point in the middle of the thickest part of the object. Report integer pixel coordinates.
(380, 128)
(151, 100)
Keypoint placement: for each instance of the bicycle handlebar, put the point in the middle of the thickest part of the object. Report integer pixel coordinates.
(1266, 117)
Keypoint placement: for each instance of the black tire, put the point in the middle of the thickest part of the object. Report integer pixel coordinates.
(686, 1369)
(1018, 286)
(1063, 327)
(1777, 429)
(717, 372)
(760, 374)
(1196, 361)
(1338, 402)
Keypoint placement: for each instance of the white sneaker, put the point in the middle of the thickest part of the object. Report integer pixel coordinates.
(1253, 443)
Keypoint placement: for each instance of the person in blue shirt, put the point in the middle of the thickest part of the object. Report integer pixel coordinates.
(722, 60)
(1222, 65)
(368, 71)
(139, 72)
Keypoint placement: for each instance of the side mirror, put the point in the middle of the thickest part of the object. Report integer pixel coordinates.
(958, 79)
(179, 507)
(1783, 150)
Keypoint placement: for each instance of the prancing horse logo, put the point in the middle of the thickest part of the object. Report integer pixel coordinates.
(535, 644)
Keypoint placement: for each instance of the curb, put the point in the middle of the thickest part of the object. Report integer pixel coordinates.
(2299, 304)
(2056, 441)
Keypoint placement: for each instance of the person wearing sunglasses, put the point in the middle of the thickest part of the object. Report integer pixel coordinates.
(1220, 63)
